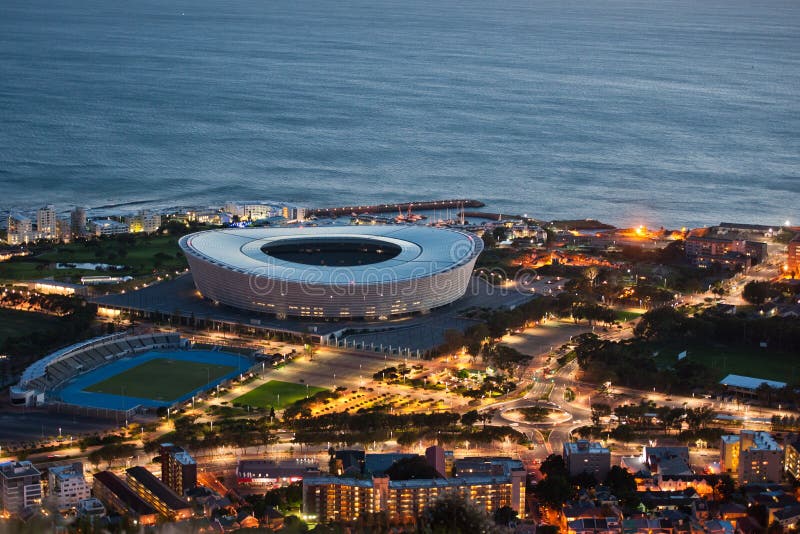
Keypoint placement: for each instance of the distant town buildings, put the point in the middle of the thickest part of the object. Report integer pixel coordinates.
(66, 486)
(20, 487)
(585, 456)
(753, 456)
(706, 249)
(261, 211)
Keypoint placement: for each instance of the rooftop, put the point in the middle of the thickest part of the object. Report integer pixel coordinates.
(160, 490)
(18, 469)
(417, 251)
(125, 493)
(748, 382)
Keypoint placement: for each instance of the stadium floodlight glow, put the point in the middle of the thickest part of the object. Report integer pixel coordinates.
(333, 272)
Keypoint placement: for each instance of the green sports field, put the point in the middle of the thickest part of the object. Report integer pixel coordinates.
(755, 362)
(277, 394)
(161, 379)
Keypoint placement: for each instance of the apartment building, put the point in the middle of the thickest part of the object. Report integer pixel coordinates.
(585, 456)
(20, 487)
(157, 494)
(760, 458)
(66, 486)
(178, 468)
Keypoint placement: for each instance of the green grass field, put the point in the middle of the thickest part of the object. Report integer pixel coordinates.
(755, 362)
(277, 394)
(19, 323)
(624, 316)
(161, 379)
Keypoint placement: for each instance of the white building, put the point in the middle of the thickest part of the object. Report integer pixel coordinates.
(102, 227)
(585, 456)
(20, 487)
(67, 486)
(20, 229)
(47, 222)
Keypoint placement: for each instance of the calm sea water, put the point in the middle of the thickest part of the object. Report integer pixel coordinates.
(634, 111)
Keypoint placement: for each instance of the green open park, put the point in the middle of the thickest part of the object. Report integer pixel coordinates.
(277, 394)
(161, 379)
(755, 362)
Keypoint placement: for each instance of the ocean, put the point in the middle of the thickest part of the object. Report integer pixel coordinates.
(656, 112)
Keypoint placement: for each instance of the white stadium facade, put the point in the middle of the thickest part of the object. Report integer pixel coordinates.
(345, 272)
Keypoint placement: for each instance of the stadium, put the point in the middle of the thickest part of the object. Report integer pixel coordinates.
(347, 272)
(126, 374)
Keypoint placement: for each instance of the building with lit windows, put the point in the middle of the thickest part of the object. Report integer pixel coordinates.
(20, 487)
(20, 229)
(157, 494)
(144, 221)
(753, 455)
(66, 485)
(178, 468)
(793, 256)
(791, 459)
(585, 456)
(345, 499)
(119, 497)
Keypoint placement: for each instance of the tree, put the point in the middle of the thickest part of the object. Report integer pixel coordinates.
(452, 514)
(470, 418)
(599, 410)
(623, 485)
(505, 516)
(758, 292)
(554, 466)
(554, 491)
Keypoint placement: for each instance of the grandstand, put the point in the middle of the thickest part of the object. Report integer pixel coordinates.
(46, 375)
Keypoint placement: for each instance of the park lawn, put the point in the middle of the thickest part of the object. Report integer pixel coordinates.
(755, 362)
(624, 316)
(277, 394)
(13, 271)
(161, 379)
(143, 256)
(14, 323)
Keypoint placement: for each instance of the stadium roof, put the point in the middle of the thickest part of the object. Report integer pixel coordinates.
(748, 382)
(423, 251)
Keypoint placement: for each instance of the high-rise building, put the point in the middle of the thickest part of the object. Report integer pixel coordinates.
(585, 456)
(66, 485)
(178, 468)
(20, 487)
(47, 222)
(77, 220)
